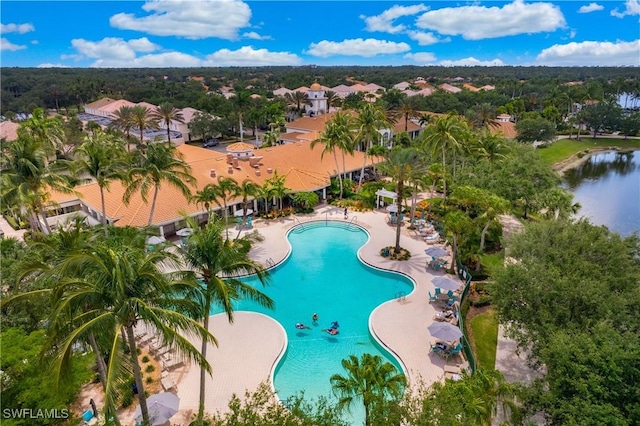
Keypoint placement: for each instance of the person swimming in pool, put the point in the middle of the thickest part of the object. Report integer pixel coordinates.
(331, 331)
(301, 326)
(335, 325)
(314, 318)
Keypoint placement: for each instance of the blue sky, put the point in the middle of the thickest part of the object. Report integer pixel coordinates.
(193, 33)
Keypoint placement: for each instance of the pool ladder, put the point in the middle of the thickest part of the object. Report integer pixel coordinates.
(401, 296)
(270, 262)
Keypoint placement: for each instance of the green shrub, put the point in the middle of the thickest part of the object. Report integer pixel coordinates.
(145, 359)
(149, 380)
(150, 368)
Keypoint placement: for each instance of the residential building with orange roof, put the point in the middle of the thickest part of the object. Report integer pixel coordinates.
(449, 88)
(488, 87)
(94, 108)
(470, 87)
(304, 169)
(403, 85)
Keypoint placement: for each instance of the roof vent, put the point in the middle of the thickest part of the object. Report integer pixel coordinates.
(269, 170)
(212, 172)
(257, 172)
(230, 170)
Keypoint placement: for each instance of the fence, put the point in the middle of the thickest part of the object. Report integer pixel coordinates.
(464, 274)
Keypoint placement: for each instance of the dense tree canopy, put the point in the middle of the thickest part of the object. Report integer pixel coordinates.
(571, 298)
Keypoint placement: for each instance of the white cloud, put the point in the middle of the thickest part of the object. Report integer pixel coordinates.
(188, 19)
(384, 21)
(421, 57)
(112, 48)
(426, 39)
(255, 36)
(48, 65)
(159, 60)
(16, 28)
(591, 7)
(480, 22)
(248, 56)
(356, 47)
(591, 53)
(631, 7)
(471, 62)
(7, 45)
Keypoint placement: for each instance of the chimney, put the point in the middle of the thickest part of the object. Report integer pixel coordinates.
(212, 172)
(257, 172)
(229, 158)
(269, 170)
(230, 170)
(235, 163)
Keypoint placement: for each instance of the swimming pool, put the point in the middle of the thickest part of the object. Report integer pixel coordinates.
(324, 275)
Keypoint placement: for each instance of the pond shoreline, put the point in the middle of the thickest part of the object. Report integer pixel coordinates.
(574, 161)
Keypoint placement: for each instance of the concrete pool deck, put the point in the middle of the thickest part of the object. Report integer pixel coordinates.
(250, 347)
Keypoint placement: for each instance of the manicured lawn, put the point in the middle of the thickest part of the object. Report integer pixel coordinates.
(492, 261)
(484, 328)
(565, 148)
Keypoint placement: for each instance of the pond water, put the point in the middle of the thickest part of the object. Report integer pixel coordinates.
(607, 186)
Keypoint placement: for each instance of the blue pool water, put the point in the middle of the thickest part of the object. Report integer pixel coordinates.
(324, 275)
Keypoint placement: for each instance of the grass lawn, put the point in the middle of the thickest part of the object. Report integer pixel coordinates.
(492, 261)
(484, 328)
(565, 148)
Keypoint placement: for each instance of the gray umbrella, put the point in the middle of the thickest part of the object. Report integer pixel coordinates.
(446, 283)
(161, 406)
(239, 213)
(445, 331)
(155, 240)
(436, 252)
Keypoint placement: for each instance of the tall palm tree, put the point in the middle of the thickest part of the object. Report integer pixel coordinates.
(241, 102)
(407, 110)
(123, 118)
(270, 138)
(334, 137)
(445, 135)
(297, 100)
(333, 100)
(490, 146)
(225, 189)
(399, 165)
(265, 191)
(206, 196)
(371, 118)
(28, 177)
(368, 379)
(246, 189)
(165, 113)
(217, 261)
(143, 118)
(102, 159)
(125, 286)
(278, 186)
(47, 131)
(159, 163)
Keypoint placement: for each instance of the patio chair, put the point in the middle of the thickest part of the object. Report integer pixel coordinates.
(454, 351)
(438, 291)
(432, 298)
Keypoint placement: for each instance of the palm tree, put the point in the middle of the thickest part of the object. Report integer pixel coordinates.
(246, 189)
(399, 165)
(125, 286)
(368, 379)
(206, 196)
(241, 102)
(266, 193)
(27, 178)
(217, 261)
(47, 131)
(371, 118)
(444, 135)
(225, 189)
(142, 118)
(336, 132)
(407, 109)
(165, 113)
(333, 100)
(278, 187)
(123, 118)
(101, 158)
(490, 146)
(306, 199)
(270, 138)
(157, 164)
(297, 99)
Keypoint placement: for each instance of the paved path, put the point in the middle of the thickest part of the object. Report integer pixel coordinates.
(258, 341)
(8, 231)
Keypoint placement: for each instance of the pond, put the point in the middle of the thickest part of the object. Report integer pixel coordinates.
(607, 186)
